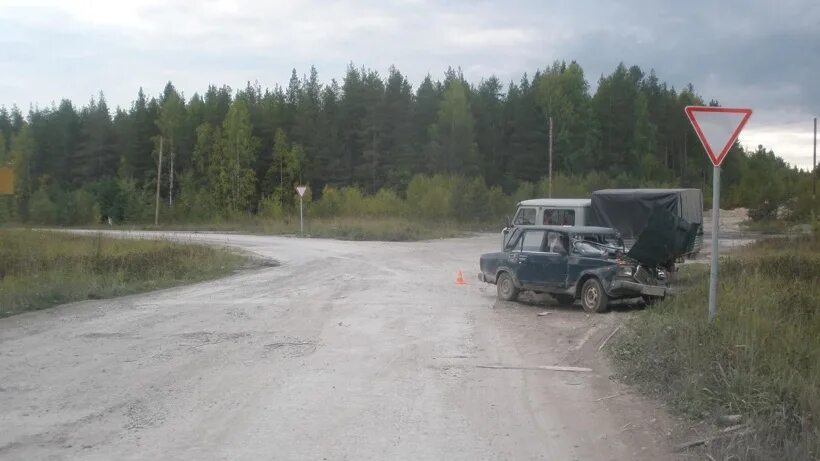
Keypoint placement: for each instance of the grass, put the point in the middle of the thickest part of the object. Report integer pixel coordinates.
(768, 226)
(43, 269)
(760, 358)
(381, 229)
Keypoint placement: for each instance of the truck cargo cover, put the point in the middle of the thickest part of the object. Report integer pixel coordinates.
(665, 238)
(628, 210)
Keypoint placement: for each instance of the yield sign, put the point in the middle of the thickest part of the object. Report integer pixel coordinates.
(717, 128)
(301, 190)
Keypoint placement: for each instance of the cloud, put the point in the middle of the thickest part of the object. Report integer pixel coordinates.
(754, 52)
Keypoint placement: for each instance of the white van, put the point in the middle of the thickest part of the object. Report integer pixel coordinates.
(550, 212)
(553, 212)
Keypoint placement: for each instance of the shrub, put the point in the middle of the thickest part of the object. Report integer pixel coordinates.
(271, 208)
(385, 203)
(41, 209)
(84, 208)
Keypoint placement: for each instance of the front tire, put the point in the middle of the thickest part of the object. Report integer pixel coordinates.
(593, 297)
(507, 290)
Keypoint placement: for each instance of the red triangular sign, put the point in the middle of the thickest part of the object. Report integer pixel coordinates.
(717, 128)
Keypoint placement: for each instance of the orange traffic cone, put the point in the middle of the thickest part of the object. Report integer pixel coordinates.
(459, 278)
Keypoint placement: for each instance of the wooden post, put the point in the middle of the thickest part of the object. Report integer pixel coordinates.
(550, 167)
(159, 177)
(171, 176)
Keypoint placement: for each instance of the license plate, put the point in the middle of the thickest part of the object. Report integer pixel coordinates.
(653, 291)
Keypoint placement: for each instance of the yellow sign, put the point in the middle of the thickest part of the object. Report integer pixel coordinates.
(6, 181)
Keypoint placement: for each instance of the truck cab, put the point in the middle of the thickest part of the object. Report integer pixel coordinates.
(553, 212)
(549, 212)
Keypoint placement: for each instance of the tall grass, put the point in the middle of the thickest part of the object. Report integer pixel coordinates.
(42, 269)
(760, 358)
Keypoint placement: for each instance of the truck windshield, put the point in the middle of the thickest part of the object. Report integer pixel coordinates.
(525, 217)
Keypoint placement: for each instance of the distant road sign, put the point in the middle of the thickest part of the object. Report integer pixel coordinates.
(717, 128)
(301, 190)
(6, 181)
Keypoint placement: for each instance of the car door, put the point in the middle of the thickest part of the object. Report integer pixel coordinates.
(530, 260)
(555, 260)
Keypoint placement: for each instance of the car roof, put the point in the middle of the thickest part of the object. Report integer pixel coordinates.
(573, 229)
(559, 202)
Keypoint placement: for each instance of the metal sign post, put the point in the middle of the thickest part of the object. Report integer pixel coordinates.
(301, 191)
(713, 274)
(717, 128)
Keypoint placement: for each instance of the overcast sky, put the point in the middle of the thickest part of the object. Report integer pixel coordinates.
(762, 54)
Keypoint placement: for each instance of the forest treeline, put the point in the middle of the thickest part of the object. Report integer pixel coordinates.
(478, 146)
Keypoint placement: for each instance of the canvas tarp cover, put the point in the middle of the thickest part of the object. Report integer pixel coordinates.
(628, 210)
(664, 238)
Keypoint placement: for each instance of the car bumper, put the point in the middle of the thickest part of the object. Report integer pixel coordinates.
(483, 278)
(625, 288)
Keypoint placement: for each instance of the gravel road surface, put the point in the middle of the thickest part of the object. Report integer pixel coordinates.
(346, 350)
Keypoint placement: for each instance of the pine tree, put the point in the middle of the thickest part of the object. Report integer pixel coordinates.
(171, 116)
(488, 106)
(455, 149)
(22, 151)
(95, 158)
(232, 178)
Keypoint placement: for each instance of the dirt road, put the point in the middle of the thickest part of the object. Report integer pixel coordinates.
(345, 351)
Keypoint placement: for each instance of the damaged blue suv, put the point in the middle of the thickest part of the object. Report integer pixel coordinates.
(589, 263)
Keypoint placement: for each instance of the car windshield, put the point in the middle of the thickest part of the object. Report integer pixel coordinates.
(596, 244)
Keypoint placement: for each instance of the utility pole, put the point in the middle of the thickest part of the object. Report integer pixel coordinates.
(550, 167)
(159, 177)
(814, 173)
(171, 176)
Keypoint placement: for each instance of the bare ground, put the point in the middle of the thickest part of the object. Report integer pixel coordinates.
(348, 350)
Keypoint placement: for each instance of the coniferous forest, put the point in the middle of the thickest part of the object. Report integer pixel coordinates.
(373, 144)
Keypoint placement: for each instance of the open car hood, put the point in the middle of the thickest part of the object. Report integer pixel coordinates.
(665, 238)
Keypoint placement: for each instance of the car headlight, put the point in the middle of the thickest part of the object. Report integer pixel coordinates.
(624, 270)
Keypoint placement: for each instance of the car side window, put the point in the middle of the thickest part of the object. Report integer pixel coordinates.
(533, 241)
(514, 242)
(559, 217)
(556, 243)
(525, 217)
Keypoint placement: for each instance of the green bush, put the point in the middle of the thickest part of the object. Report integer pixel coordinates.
(386, 203)
(271, 208)
(41, 209)
(429, 196)
(84, 209)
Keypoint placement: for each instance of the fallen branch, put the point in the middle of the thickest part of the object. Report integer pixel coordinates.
(608, 338)
(542, 367)
(608, 397)
(729, 431)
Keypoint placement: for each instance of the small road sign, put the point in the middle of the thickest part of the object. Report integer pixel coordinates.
(301, 191)
(717, 128)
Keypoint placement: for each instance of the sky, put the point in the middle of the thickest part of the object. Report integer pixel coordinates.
(761, 54)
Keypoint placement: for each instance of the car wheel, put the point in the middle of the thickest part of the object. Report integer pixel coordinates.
(593, 296)
(564, 300)
(506, 287)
